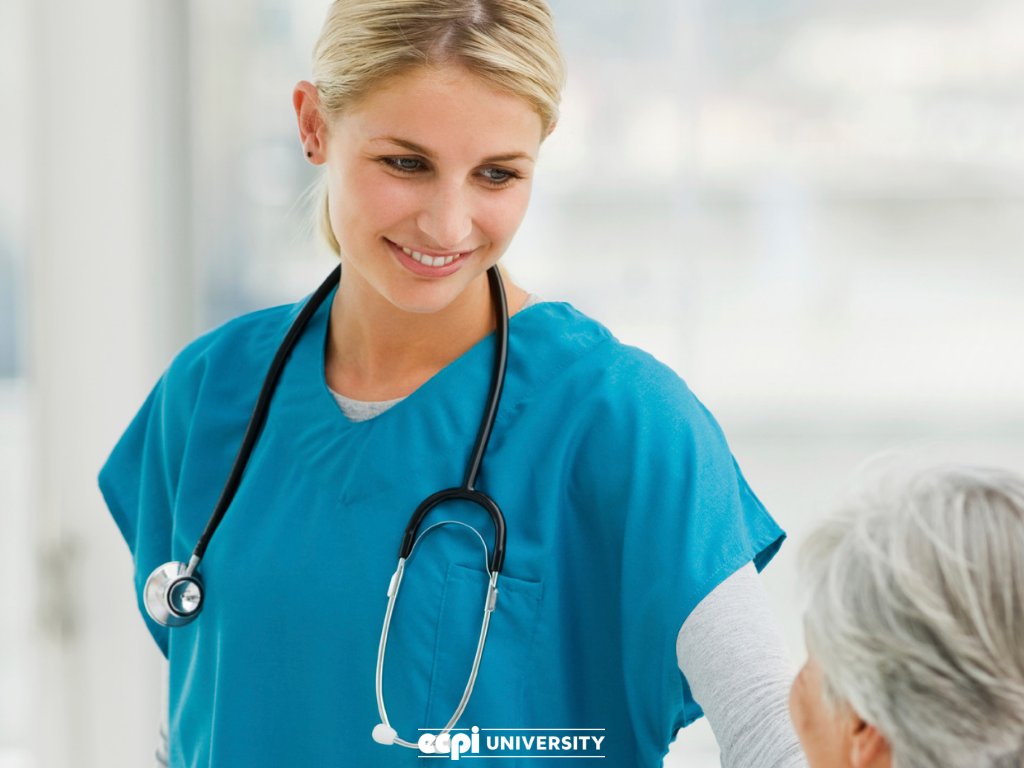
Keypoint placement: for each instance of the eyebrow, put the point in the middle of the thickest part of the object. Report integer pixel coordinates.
(413, 147)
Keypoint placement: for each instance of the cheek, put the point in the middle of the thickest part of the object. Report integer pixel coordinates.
(805, 713)
(814, 723)
(798, 711)
(364, 199)
(499, 215)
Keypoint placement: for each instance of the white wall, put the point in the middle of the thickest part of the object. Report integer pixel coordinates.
(107, 305)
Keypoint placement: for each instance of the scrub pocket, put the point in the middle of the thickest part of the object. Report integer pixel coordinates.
(497, 699)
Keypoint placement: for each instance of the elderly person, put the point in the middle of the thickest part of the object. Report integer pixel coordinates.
(915, 627)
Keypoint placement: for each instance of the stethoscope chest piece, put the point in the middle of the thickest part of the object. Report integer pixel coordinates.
(173, 596)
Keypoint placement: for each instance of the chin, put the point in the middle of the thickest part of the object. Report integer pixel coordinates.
(424, 300)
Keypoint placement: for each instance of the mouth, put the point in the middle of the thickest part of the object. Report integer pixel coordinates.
(428, 264)
(427, 260)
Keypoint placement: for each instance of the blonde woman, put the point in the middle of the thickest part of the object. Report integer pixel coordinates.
(915, 626)
(618, 590)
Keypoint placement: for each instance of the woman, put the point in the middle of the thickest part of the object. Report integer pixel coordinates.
(915, 627)
(625, 510)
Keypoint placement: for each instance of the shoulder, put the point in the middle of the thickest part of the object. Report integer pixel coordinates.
(630, 415)
(208, 389)
(238, 350)
(621, 381)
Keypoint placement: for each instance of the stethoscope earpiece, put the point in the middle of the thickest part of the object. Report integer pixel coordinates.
(384, 734)
(173, 596)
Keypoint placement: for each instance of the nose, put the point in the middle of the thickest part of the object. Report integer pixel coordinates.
(447, 216)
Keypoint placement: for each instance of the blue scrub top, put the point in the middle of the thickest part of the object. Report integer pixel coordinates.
(624, 508)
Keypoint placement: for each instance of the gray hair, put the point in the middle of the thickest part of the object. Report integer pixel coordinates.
(915, 614)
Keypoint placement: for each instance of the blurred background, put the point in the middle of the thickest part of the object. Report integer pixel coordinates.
(812, 209)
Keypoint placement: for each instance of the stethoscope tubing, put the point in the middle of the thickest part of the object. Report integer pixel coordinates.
(467, 491)
(500, 302)
(490, 602)
(259, 412)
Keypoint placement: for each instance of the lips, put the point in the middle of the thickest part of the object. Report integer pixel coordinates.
(426, 264)
(427, 260)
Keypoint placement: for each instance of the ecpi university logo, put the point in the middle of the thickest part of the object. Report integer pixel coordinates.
(500, 742)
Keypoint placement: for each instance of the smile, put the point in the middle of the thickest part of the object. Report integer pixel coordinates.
(430, 261)
(432, 265)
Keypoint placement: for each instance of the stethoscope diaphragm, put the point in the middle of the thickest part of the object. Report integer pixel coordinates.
(173, 597)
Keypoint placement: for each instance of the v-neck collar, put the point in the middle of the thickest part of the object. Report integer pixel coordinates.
(460, 375)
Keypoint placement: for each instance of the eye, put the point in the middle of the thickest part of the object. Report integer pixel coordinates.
(498, 177)
(403, 164)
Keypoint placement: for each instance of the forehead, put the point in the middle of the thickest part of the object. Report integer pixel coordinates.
(447, 110)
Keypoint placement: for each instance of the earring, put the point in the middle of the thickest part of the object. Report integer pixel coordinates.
(309, 154)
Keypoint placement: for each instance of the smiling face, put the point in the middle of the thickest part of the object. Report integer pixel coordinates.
(429, 177)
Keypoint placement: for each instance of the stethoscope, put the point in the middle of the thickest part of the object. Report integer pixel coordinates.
(173, 594)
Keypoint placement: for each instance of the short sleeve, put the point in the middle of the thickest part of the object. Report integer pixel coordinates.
(166, 472)
(690, 520)
(139, 484)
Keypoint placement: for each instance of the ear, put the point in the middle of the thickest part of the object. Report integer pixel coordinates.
(868, 747)
(312, 127)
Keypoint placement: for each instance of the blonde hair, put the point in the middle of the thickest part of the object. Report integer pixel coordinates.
(510, 44)
(916, 615)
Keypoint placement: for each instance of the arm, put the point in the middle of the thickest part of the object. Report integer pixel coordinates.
(732, 653)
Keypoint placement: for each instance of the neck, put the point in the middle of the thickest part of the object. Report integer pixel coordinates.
(376, 351)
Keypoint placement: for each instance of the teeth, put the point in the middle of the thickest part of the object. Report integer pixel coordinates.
(429, 261)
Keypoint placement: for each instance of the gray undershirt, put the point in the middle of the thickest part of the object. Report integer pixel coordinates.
(734, 656)
(730, 649)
